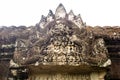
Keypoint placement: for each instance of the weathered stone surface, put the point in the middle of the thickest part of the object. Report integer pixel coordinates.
(61, 39)
(63, 43)
(60, 12)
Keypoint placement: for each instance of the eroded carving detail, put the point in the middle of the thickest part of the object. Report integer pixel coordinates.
(63, 41)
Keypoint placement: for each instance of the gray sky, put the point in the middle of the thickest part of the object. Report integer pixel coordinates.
(28, 12)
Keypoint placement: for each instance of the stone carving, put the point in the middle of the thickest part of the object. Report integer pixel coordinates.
(61, 40)
(60, 12)
(71, 15)
(60, 46)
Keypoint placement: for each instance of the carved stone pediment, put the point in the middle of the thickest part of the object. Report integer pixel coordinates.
(62, 40)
